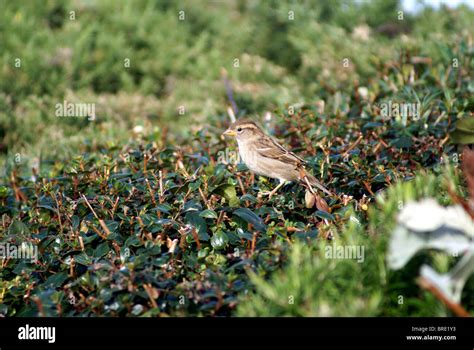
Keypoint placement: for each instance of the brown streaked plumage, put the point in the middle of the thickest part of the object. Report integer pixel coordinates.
(264, 156)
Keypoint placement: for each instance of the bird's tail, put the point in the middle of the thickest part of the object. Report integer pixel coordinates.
(314, 182)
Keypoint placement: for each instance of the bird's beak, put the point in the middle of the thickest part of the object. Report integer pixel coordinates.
(229, 132)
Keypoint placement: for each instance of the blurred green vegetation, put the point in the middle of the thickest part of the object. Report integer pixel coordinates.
(76, 51)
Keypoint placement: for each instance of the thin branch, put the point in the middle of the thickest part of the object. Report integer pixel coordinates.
(454, 307)
(230, 95)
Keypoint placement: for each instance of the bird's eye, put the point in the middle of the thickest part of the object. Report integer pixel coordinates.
(239, 129)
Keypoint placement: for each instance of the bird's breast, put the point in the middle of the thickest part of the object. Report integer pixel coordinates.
(265, 166)
(248, 156)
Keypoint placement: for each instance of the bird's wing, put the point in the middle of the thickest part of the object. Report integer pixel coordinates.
(267, 147)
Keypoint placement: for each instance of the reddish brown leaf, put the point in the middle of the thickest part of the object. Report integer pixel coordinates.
(321, 204)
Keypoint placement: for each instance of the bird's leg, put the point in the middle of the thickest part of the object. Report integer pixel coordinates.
(272, 192)
(309, 186)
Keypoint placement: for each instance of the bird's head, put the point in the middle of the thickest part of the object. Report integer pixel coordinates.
(243, 129)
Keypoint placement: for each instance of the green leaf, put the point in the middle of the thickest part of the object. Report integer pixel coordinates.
(324, 215)
(18, 228)
(48, 207)
(464, 132)
(244, 234)
(219, 240)
(193, 218)
(112, 225)
(229, 193)
(75, 222)
(164, 208)
(251, 218)
(249, 197)
(461, 137)
(3, 191)
(101, 250)
(83, 259)
(208, 213)
(307, 235)
(56, 280)
(193, 186)
(402, 142)
(372, 125)
(466, 125)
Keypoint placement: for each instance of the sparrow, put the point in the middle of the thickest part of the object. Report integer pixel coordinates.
(264, 156)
